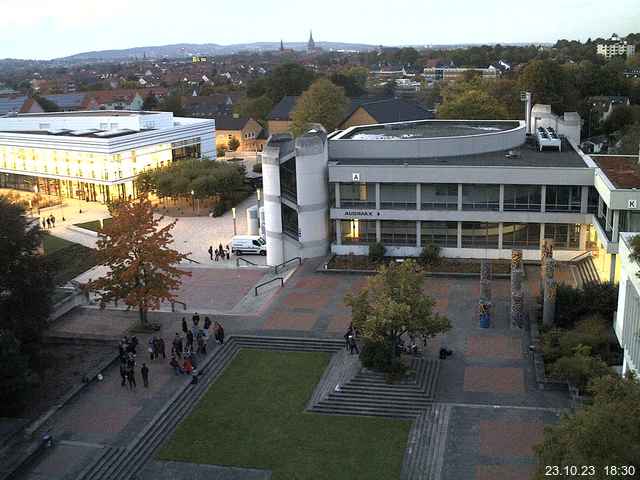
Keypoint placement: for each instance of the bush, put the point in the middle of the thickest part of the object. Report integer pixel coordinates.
(430, 255)
(592, 332)
(572, 304)
(376, 252)
(234, 144)
(580, 368)
(218, 209)
(257, 167)
(395, 371)
(376, 355)
(221, 150)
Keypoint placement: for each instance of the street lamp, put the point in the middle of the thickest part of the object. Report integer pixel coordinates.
(36, 197)
(233, 214)
(193, 201)
(258, 195)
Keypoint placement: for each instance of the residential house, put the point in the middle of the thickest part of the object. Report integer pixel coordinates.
(246, 130)
(280, 120)
(387, 110)
(601, 107)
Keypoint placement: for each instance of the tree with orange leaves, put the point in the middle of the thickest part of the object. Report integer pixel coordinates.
(142, 266)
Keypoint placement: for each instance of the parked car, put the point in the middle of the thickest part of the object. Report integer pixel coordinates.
(248, 244)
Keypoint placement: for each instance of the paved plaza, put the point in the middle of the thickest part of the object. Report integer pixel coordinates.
(497, 412)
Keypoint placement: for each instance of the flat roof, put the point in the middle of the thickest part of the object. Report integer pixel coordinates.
(86, 134)
(88, 113)
(525, 156)
(622, 170)
(428, 129)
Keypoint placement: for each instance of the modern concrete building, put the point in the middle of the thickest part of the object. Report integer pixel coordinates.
(477, 189)
(615, 46)
(447, 74)
(95, 155)
(627, 320)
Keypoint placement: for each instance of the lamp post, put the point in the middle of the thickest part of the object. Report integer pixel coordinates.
(36, 197)
(193, 201)
(233, 214)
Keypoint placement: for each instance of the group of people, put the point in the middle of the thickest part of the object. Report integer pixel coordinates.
(350, 340)
(219, 253)
(127, 353)
(183, 351)
(49, 222)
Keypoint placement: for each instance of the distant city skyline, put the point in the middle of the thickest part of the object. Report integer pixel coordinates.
(42, 29)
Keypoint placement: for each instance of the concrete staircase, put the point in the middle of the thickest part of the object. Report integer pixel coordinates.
(427, 441)
(123, 463)
(367, 393)
(586, 271)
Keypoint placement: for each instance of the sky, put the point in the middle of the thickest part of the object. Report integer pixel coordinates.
(45, 29)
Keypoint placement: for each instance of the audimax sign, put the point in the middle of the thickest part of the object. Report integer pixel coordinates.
(361, 214)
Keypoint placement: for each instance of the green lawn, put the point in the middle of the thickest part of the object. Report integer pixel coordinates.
(66, 260)
(52, 244)
(253, 416)
(93, 225)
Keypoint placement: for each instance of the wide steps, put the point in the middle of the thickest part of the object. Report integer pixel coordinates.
(388, 400)
(367, 412)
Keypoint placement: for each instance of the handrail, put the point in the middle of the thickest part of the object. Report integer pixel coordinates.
(288, 261)
(245, 261)
(580, 257)
(192, 260)
(267, 283)
(173, 305)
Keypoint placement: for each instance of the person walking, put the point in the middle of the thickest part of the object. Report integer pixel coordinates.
(185, 329)
(217, 255)
(219, 333)
(53, 220)
(48, 222)
(189, 341)
(123, 373)
(160, 348)
(177, 345)
(44, 224)
(195, 319)
(228, 252)
(210, 252)
(131, 378)
(144, 371)
(207, 325)
(353, 345)
(152, 347)
(176, 366)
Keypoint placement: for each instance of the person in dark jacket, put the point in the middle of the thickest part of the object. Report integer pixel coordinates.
(144, 371)
(185, 329)
(123, 373)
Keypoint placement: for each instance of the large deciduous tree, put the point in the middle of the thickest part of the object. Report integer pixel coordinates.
(393, 303)
(475, 104)
(603, 433)
(25, 283)
(142, 266)
(323, 103)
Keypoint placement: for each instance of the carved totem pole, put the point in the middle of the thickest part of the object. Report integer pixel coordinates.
(517, 295)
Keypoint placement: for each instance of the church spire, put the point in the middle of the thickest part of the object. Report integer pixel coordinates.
(311, 45)
(281, 45)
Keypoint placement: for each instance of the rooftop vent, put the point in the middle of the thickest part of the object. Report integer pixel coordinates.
(547, 137)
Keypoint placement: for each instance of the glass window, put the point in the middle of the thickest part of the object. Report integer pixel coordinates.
(564, 236)
(560, 198)
(521, 235)
(481, 197)
(522, 198)
(480, 235)
(358, 231)
(398, 196)
(629, 221)
(592, 203)
(288, 182)
(398, 232)
(443, 234)
(290, 221)
(439, 196)
(358, 195)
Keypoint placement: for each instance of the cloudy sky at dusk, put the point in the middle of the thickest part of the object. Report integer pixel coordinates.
(46, 29)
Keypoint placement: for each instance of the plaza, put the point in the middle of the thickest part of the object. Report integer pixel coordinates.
(485, 407)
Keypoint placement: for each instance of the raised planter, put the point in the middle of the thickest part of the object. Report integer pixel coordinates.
(544, 382)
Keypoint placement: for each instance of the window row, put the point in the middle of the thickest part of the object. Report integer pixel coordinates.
(472, 234)
(445, 196)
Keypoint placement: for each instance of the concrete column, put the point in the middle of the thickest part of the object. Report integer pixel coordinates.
(418, 229)
(459, 234)
(583, 237)
(378, 231)
(501, 204)
(609, 220)
(337, 194)
(616, 225)
(338, 232)
(584, 199)
(543, 199)
(600, 206)
(377, 196)
(418, 197)
(500, 235)
(459, 197)
(612, 270)
(541, 234)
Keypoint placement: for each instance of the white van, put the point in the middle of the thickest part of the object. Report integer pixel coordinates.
(248, 244)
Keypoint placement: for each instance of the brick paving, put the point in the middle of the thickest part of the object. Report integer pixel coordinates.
(487, 369)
